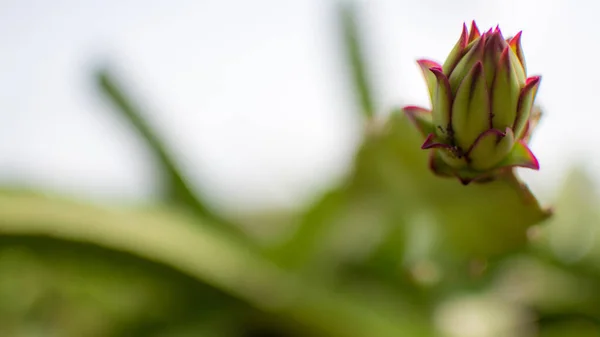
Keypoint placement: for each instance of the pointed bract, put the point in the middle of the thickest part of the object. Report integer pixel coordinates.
(524, 105)
(442, 105)
(453, 157)
(518, 68)
(443, 163)
(534, 119)
(463, 67)
(421, 118)
(505, 93)
(515, 45)
(439, 166)
(457, 52)
(490, 148)
(493, 49)
(474, 32)
(534, 78)
(425, 65)
(499, 32)
(521, 156)
(431, 142)
(470, 110)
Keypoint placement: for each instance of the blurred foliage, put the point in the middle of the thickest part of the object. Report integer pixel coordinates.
(176, 189)
(391, 251)
(356, 59)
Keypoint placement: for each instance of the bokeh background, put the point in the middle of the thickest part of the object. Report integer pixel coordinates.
(252, 93)
(256, 103)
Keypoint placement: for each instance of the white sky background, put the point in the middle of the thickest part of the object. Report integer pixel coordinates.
(251, 94)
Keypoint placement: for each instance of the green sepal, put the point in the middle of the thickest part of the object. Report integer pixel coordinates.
(441, 105)
(453, 158)
(421, 118)
(520, 156)
(440, 167)
(471, 108)
(474, 55)
(505, 93)
(457, 52)
(525, 104)
(430, 79)
(493, 49)
(515, 45)
(490, 149)
(474, 33)
(518, 68)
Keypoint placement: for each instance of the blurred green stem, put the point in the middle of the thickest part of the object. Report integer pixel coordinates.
(195, 248)
(177, 189)
(355, 57)
(319, 216)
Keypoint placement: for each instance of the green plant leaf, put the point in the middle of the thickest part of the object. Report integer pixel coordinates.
(199, 250)
(478, 221)
(178, 190)
(356, 59)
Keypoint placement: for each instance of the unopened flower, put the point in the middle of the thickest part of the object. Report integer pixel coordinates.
(481, 100)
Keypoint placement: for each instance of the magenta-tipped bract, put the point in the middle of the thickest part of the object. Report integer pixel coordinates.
(480, 120)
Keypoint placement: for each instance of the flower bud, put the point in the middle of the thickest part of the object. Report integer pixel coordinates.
(481, 102)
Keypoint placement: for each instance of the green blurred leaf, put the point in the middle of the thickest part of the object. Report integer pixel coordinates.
(356, 59)
(391, 182)
(570, 326)
(546, 287)
(177, 189)
(475, 221)
(391, 186)
(198, 250)
(572, 235)
(65, 288)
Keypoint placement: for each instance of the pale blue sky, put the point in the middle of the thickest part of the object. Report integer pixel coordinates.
(251, 93)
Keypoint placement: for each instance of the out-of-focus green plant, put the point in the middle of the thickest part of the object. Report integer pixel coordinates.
(176, 189)
(392, 250)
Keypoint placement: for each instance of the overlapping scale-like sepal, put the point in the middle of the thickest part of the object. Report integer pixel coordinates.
(481, 117)
(471, 108)
(442, 106)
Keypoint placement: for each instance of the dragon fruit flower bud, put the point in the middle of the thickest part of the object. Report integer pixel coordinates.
(481, 103)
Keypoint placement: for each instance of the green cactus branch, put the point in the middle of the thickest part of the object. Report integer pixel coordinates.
(178, 190)
(355, 57)
(178, 240)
